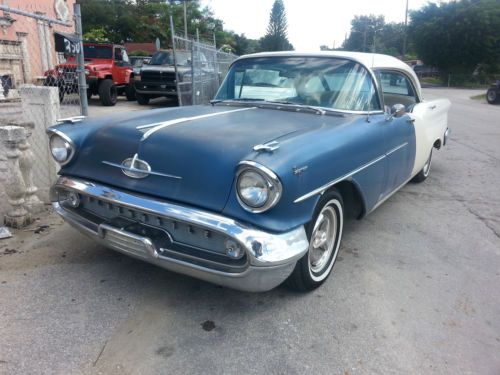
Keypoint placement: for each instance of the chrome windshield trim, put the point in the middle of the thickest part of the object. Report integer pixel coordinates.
(265, 249)
(131, 169)
(153, 128)
(321, 189)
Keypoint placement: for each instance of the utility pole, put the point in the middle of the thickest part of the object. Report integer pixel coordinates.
(405, 31)
(185, 20)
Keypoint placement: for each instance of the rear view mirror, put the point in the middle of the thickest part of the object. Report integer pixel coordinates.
(398, 110)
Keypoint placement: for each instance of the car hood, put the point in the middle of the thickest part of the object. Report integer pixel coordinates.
(193, 153)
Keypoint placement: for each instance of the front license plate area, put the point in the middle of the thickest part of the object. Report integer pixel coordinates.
(134, 238)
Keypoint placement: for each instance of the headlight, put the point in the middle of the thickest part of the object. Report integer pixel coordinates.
(60, 70)
(87, 72)
(61, 148)
(257, 187)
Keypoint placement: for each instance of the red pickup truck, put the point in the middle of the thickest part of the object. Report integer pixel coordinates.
(108, 73)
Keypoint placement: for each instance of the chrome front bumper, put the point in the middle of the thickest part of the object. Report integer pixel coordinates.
(270, 257)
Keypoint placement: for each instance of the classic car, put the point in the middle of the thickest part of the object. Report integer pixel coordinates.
(253, 189)
(493, 93)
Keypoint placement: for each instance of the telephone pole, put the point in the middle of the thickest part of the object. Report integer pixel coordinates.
(405, 31)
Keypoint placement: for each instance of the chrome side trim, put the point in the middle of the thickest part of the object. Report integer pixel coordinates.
(396, 148)
(131, 169)
(321, 189)
(153, 128)
(328, 185)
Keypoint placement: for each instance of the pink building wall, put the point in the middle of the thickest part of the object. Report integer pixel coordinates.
(35, 39)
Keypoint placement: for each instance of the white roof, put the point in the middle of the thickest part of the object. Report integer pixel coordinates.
(369, 60)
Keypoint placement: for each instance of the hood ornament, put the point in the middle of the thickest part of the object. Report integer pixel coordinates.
(267, 147)
(137, 168)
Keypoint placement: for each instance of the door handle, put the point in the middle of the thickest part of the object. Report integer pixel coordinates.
(432, 106)
(410, 120)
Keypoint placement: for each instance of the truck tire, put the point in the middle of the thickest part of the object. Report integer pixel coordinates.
(492, 96)
(130, 92)
(142, 99)
(108, 93)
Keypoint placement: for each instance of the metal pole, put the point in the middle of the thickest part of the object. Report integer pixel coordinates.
(7, 9)
(185, 20)
(197, 35)
(80, 69)
(179, 96)
(192, 74)
(406, 27)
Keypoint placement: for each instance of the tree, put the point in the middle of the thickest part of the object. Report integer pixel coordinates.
(276, 37)
(458, 36)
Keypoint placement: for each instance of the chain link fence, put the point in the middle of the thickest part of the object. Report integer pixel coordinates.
(200, 69)
(28, 58)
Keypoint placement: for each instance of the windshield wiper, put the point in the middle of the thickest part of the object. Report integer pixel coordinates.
(319, 111)
(215, 101)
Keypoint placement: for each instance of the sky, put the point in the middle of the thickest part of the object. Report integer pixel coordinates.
(311, 23)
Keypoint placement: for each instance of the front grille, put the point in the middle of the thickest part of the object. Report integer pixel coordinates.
(158, 76)
(190, 243)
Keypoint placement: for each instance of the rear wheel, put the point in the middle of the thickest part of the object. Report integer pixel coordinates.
(425, 171)
(324, 233)
(492, 97)
(142, 99)
(108, 93)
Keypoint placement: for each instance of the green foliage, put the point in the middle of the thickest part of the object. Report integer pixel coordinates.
(369, 33)
(121, 21)
(459, 36)
(276, 37)
(96, 35)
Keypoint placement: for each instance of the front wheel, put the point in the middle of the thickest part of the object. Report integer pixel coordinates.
(425, 171)
(142, 99)
(492, 97)
(324, 233)
(108, 94)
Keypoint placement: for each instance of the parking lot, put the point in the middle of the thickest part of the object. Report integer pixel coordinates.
(415, 289)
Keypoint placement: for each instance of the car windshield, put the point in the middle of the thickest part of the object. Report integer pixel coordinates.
(167, 58)
(327, 82)
(97, 52)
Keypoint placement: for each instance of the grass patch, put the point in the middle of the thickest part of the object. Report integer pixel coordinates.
(479, 97)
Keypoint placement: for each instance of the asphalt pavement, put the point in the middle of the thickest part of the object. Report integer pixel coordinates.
(416, 290)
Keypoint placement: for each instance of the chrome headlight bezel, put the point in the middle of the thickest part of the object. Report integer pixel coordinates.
(272, 182)
(67, 144)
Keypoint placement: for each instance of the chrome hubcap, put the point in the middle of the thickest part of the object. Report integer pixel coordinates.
(323, 239)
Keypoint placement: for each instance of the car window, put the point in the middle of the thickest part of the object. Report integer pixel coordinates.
(118, 54)
(317, 81)
(396, 83)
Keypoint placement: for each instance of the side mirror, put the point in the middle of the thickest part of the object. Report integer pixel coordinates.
(397, 110)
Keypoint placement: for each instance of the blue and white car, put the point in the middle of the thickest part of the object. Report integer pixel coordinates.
(253, 189)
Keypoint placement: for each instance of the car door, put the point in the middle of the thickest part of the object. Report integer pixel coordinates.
(430, 119)
(399, 131)
(121, 66)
